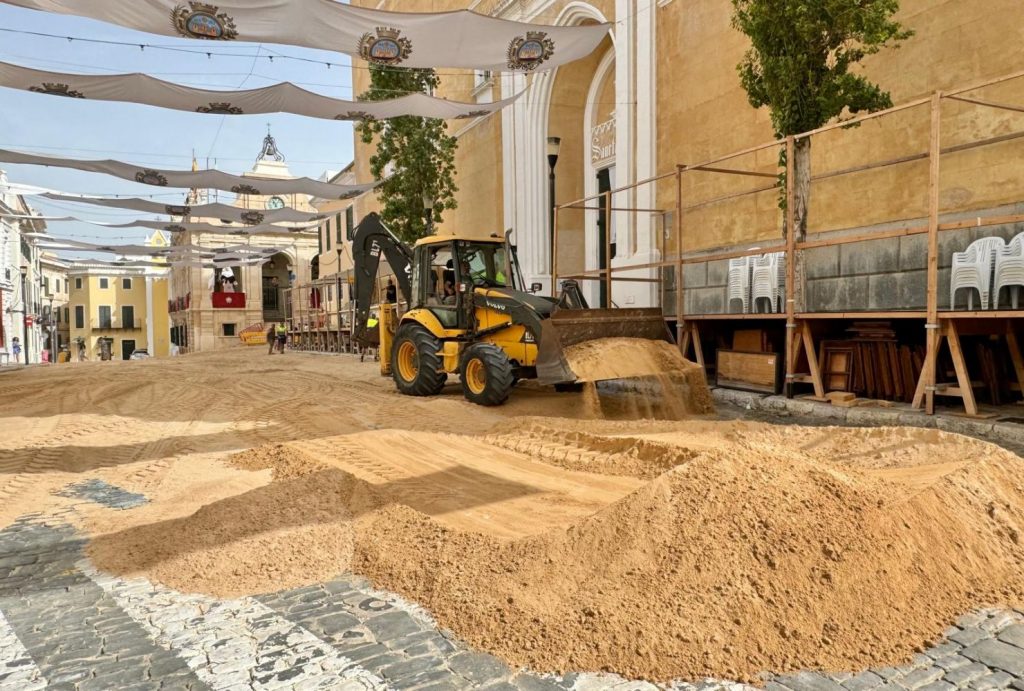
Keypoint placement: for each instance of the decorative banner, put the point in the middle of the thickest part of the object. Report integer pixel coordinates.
(197, 179)
(172, 227)
(280, 98)
(175, 251)
(461, 39)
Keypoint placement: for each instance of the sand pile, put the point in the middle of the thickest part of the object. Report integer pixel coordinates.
(735, 563)
(745, 547)
(681, 385)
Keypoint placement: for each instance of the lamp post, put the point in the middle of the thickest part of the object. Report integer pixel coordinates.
(52, 327)
(554, 145)
(428, 211)
(24, 311)
(337, 289)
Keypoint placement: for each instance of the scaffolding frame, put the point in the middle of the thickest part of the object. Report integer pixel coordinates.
(941, 326)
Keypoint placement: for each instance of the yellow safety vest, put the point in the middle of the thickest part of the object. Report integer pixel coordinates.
(371, 323)
(281, 330)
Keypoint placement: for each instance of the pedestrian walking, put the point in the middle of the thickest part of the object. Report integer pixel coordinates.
(16, 348)
(271, 339)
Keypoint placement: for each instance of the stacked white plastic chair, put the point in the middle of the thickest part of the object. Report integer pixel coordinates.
(768, 280)
(1009, 271)
(739, 282)
(972, 271)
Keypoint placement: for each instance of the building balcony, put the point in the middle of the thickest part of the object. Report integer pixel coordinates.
(117, 325)
(228, 300)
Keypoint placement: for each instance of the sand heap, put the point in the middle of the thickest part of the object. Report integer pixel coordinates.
(762, 549)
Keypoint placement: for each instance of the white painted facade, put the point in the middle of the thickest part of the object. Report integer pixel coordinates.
(17, 251)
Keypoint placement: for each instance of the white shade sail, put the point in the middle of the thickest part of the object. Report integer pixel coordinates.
(174, 251)
(462, 38)
(197, 179)
(175, 227)
(280, 98)
(224, 212)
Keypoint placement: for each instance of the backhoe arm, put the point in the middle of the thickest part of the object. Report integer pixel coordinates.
(372, 238)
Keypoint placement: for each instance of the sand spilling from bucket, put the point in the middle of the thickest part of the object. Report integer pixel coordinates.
(733, 548)
(661, 383)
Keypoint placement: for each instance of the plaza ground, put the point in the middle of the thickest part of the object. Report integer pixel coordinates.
(236, 520)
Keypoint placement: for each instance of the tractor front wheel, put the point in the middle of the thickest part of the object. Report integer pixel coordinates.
(487, 374)
(416, 364)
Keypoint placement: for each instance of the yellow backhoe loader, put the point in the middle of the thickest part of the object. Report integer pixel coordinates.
(470, 315)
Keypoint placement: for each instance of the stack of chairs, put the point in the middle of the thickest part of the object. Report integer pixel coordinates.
(768, 280)
(972, 271)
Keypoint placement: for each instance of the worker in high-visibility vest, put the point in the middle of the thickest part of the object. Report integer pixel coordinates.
(372, 322)
(281, 331)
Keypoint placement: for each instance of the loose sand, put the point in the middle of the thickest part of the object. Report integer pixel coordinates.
(654, 549)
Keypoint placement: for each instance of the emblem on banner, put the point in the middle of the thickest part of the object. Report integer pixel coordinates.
(200, 20)
(386, 48)
(52, 89)
(220, 109)
(527, 52)
(172, 210)
(473, 114)
(244, 189)
(252, 218)
(350, 195)
(151, 177)
(355, 115)
(175, 228)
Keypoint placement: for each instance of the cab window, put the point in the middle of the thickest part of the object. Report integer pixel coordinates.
(483, 264)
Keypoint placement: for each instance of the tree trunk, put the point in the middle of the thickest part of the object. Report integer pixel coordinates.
(801, 186)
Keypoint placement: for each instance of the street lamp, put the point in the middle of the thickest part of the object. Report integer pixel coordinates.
(338, 295)
(24, 311)
(428, 211)
(554, 145)
(51, 324)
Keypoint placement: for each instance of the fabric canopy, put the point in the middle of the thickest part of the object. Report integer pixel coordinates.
(49, 242)
(280, 98)
(461, 39)
(173, 227)
(224, 212)
(198, 179)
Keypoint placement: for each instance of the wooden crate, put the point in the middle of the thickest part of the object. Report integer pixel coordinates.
(760, 372)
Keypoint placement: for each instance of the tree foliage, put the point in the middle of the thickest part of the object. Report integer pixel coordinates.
(416, 155)
(800, 65)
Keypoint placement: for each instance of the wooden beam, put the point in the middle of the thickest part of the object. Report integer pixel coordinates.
(812, 359)
(698, 349)
(733, 171)
(554, 255)
(960, 365)
(684, 338)
(679, 245)
(934, 170)
(608, 246)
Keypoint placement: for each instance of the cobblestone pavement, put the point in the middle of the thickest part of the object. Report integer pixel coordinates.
(65, 626)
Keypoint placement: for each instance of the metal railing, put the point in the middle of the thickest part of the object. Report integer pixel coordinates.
(116, 325)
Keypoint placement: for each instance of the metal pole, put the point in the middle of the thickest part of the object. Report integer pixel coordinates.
(791, 326)
(551, 226)
(24, 316)
(554, 255)
(680, 323)
(338, 296)
(608, 247)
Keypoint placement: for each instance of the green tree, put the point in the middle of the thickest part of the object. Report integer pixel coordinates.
(799, 65)
(416, 155)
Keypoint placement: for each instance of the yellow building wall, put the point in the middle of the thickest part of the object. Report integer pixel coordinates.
(161, 346)
(703, 112)
(91, 296)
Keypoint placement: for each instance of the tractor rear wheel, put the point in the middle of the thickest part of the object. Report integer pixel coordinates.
(416, 364)
(487, 374)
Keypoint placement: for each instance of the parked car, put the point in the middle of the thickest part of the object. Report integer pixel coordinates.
(140, 354)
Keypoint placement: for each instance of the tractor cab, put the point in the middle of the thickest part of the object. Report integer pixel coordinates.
(446, 271)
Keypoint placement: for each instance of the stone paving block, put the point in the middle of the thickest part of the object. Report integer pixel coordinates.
(531, 682)
(392, 625)
(1000, 620)
(921, 677)
(943, 650)
(970, 636)
(951, 662)
(406, 668)
(808, 681)
(1014, 635)
(999, 655)
(478, 667)
(938, 686)
(863, 682)
(990, 682)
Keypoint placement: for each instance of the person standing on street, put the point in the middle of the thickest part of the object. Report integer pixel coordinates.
(271, 339)
(282, 336)
(390, 293)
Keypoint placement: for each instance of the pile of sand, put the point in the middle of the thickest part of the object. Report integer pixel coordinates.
(751, 548)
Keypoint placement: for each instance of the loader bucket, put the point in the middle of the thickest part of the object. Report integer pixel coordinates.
(568, 327)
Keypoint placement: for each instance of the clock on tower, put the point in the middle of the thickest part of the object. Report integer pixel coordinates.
(275, 203)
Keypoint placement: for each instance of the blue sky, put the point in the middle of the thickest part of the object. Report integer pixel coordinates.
(57, 126)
